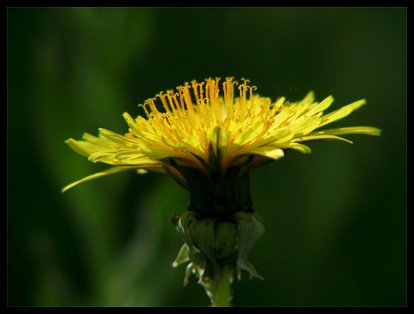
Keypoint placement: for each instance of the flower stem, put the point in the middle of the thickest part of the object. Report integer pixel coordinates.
(222, 296)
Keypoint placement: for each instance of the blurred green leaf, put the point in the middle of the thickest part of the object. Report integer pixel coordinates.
(335, 219)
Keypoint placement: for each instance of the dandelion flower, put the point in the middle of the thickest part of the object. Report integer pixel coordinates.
(207, 136)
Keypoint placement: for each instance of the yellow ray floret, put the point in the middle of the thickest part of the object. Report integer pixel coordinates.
(197, 120)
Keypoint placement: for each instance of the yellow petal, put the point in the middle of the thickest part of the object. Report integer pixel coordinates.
(116, 138)
(299, 147)
(367, 130)
(80, 149)
(132, 157)
(341, 112)
(270, 152)
(323, 105)
(98, 175)
(309, 98)
(321, 137)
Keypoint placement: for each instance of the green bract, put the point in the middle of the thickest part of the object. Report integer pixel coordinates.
(217, 246)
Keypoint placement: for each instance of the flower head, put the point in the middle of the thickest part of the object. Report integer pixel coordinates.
(208, 136)
(214, 125)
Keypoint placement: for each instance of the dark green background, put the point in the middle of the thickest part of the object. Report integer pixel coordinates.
(335, 220)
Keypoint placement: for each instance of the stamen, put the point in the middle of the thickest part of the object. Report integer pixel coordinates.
(177, 103)
(251, 88)
(195, 85)
(201, 90)
(145, 109)
(152, 106)
(170, 95)
(228, 90)
(181, 97)
(187, 96)
(217, 94)
(161, 96)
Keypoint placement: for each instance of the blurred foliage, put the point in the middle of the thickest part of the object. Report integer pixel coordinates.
(335, 220)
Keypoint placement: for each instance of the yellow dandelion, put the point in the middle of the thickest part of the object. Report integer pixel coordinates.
(207, 136)
(185, 127)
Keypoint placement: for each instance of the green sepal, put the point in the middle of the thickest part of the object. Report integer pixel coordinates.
(225, 242)
(202, 235)
(186, 224)
(199, 262)
(186, 221)
(250, 230)
(182, 256)
(188, 271)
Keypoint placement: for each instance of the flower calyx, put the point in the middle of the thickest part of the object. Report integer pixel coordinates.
(217, 247)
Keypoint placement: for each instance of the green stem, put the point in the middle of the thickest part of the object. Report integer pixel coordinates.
(222, 296)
